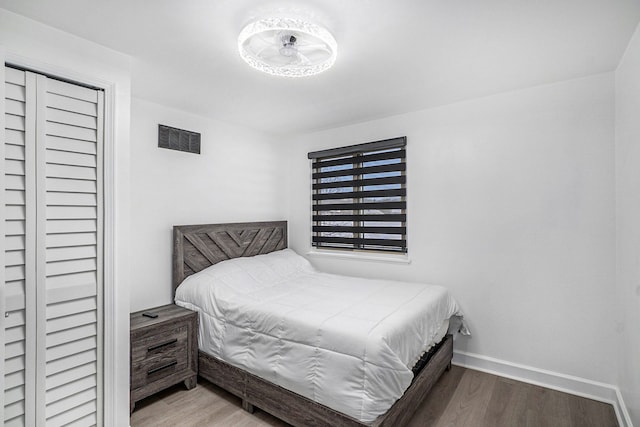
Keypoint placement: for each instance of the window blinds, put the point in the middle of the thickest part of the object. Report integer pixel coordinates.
(359, 197)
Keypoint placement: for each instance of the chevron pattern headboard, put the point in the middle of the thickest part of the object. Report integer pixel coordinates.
(196, 247)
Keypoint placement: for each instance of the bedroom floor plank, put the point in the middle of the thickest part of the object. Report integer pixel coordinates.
(470, 400)
(462, 397)
(434, 405)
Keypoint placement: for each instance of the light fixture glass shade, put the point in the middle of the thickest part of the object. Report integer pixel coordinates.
(287, 47)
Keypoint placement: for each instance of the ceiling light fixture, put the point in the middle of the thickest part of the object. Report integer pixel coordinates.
(287, 47)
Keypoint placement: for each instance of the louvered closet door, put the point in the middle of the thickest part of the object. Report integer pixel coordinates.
(56, 271)
(19, 146)
(68, 251)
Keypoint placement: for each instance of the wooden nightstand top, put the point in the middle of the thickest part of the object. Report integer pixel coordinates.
(166, 313)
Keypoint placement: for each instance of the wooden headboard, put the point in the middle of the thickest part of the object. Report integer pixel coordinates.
(196, 247)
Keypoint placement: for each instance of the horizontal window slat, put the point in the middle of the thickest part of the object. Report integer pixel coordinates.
(337, 246)
(350, 229)
(358, 241)
(394, 192)
(393, 167)
(362, 182)
(359, 206)
(368, 218)
(365, 158)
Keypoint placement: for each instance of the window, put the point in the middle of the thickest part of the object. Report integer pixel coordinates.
(360, 197)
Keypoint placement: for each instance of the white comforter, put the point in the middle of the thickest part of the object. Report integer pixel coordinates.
(348, 343)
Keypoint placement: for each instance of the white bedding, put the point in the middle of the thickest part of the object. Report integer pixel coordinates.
(348, 343)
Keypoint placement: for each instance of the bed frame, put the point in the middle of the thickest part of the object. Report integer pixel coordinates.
(199, 246)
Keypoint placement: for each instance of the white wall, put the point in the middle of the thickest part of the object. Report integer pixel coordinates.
(237, 177)
(510, 206)
(628, 224)
(28, 43)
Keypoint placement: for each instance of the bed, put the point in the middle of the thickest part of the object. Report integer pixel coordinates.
(250, 303)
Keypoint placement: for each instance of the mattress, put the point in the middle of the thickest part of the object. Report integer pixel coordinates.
(346, 342)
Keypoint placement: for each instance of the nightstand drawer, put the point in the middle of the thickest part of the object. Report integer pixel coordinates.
(159, 356)
(159, 344)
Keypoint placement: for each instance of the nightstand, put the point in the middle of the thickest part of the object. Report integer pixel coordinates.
(164, 350)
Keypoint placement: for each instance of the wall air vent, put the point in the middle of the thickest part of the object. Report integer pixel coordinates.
(178, 139)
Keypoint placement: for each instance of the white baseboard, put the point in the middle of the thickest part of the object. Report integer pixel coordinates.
(566, 383)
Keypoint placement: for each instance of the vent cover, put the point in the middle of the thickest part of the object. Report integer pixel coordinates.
(178, 139)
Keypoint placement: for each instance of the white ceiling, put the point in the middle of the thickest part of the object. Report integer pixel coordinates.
(394, 56)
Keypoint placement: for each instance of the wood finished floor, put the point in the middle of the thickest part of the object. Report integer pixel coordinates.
(462, 397)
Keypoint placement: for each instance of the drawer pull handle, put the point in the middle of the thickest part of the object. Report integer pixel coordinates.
(164, 344)
(168, 365)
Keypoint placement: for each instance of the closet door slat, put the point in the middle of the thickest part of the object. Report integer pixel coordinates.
(65, 226)
(71, 145)
(65, 103)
